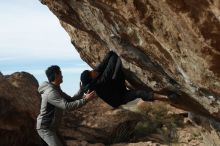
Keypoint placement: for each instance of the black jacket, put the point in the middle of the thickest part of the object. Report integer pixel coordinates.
(110, 83)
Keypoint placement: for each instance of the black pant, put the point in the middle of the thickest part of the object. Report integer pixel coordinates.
(146, 95)
(129, 95)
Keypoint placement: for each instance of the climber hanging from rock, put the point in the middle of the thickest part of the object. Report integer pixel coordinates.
(108, 80)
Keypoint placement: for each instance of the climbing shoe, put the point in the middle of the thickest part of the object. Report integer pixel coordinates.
(174, 97)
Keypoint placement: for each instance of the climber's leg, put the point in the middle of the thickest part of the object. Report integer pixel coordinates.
(118, 69)
(134, 94)
(161, 97)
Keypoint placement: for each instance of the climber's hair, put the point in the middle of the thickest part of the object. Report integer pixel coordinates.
(51, 71)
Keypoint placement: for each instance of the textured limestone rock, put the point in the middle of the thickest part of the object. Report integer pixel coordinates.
(84, 143)
(139, 144)
(208, 129)
(167, 45)
(19, 106)
(97, 122)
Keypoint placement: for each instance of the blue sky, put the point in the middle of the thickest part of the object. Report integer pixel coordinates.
(31, 39)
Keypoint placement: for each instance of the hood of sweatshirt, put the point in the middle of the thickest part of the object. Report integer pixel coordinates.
(44, 86)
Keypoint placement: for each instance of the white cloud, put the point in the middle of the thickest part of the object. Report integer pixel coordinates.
(65, 70)
(6, 59)
(74, 70)
(31, 33)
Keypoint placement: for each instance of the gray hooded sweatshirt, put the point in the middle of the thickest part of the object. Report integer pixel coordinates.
(53, 101)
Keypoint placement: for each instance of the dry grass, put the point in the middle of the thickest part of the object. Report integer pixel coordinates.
(157, 125)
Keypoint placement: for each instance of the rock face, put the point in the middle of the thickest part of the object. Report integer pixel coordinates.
(19, 106)
(97, 122)
(167, 45)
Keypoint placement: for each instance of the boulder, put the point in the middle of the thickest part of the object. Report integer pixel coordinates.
(19, 106)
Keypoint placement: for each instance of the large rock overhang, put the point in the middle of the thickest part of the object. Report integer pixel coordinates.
(168, 46)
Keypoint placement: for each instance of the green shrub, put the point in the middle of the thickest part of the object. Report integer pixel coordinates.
(156, 120)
